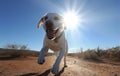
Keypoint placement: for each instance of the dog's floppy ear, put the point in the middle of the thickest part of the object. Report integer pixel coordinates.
(40, 22)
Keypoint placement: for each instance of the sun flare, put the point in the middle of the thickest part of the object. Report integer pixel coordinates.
(71, 20)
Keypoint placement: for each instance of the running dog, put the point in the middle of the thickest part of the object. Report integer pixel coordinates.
(54, 39)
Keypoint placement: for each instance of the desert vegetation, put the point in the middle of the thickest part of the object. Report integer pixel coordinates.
(112, 54)
(16, 47)
(15, 50)
(6, 54)
(11, 51)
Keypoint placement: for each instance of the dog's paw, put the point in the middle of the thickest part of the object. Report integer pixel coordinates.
(54, 70)
(41, 61)
(65, 66)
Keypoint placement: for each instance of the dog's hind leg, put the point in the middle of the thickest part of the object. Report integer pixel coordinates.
(41, 58)
(65, 65)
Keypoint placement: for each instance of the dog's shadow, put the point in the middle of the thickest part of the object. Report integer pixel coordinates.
(61, 71)
(46, 73)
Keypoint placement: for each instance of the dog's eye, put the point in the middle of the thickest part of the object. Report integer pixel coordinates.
(56, 18)
(46, 17)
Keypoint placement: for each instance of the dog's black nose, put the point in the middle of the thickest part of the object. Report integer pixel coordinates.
(49, 24)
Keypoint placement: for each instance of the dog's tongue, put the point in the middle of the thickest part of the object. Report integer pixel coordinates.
(50, 34)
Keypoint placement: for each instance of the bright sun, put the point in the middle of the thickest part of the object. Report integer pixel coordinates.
(71, 20)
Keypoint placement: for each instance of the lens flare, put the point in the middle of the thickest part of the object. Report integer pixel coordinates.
(71, 20)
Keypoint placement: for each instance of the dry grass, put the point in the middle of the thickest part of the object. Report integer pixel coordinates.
(111, 54)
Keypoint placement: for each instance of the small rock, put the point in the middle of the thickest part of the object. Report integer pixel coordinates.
(75, 62)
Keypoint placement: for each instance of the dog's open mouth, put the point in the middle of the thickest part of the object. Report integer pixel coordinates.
(51, 33)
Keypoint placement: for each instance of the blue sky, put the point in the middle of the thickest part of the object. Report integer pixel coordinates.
(100, 25)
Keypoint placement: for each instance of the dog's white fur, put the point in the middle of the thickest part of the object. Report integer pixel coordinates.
(60, 46)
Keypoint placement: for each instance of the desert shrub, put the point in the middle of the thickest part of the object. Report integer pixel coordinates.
(89, 55)
(15, 50)
(16, 46)
(112, 55)
(15, 54)
(11, 46)
(23, 47)
(99, 52)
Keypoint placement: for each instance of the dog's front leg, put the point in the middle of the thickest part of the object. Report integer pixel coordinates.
(55, 68)
(41, 58)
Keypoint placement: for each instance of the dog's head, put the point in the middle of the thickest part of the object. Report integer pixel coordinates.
(53, 25)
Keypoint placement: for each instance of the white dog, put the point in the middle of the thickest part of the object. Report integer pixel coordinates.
(55, 39)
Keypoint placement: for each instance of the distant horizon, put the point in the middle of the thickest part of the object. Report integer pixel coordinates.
(71, 50)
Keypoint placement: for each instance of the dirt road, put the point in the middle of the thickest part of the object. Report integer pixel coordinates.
(76, 67)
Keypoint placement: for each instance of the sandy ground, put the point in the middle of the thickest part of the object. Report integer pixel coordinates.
(76, 67)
